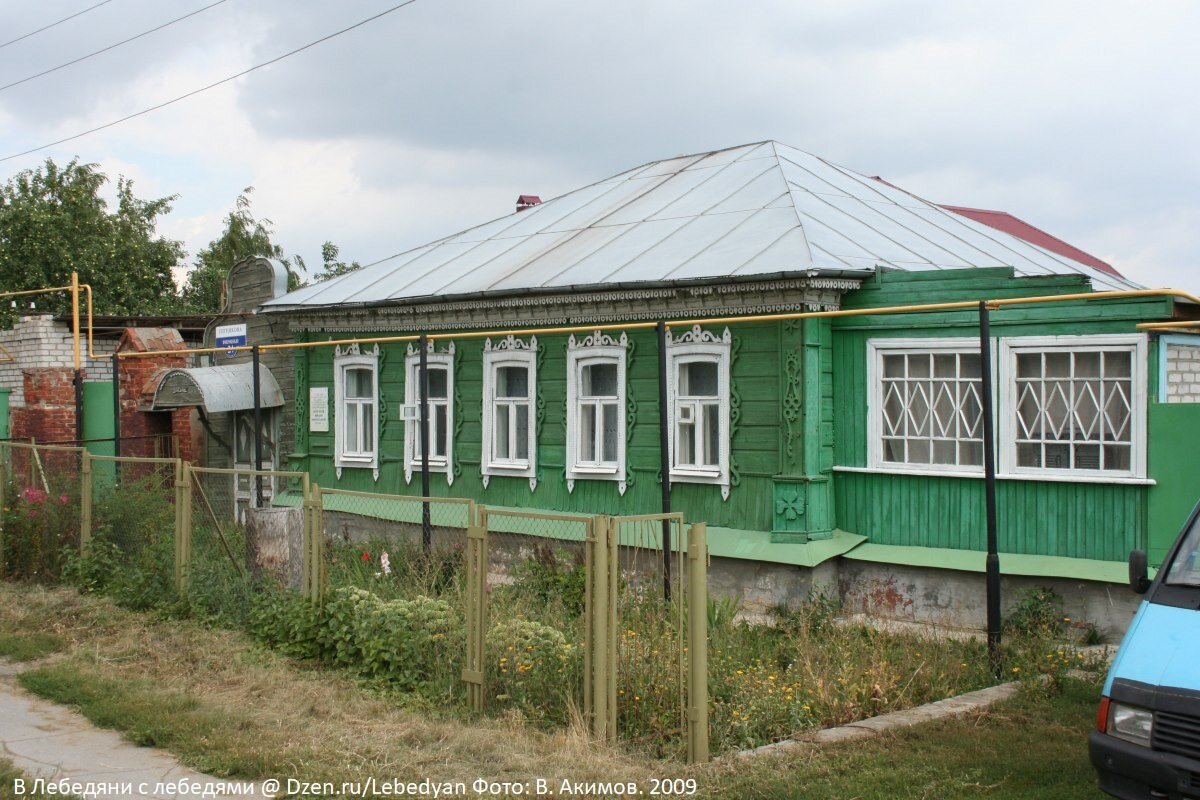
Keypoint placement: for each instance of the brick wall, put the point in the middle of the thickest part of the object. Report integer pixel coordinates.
(41, 377)
(42, 341)
(139, 377)
(1183, 373)
(48, 413)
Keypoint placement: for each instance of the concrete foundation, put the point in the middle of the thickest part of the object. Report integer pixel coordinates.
(942, 597)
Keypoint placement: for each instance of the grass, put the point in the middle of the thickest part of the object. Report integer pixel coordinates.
(225, 705)
(8, 774)
(1032, 747)
(28, 647)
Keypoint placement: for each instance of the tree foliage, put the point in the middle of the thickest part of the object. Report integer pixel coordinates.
(243, 237)
(330, 266)
(53, 221)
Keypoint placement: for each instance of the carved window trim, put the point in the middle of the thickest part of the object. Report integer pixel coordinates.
(412, 411)
(697, 345)
(508, 352)
(344, 360)
(597, 348)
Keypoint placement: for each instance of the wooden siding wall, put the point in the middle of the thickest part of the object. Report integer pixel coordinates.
(1080, 520)
(755, 414)
(251, 282)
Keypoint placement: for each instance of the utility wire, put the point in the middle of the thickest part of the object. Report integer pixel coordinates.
(52, 24)
(110, 47)
(213, 85)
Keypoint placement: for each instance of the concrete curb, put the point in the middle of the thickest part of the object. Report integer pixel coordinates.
(870, 728)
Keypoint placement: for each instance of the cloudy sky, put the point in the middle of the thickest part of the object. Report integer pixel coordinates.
(1079, 117)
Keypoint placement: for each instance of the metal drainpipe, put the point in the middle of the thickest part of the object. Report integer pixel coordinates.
(989, 467)
(664, 456)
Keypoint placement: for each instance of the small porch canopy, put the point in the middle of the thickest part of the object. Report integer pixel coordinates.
(216, 389)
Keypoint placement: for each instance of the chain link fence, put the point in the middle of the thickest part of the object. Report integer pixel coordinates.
(650, 616)
(591, 621)
(532, 639)
(41, 509)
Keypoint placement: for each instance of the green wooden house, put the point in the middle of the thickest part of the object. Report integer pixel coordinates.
(842, 453)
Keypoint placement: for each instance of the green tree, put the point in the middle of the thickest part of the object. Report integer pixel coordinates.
(244, 236)
(53, 221)
(331, 267)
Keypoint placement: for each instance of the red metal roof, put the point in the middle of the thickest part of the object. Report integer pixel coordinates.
(1003, 221)
(1015, 226)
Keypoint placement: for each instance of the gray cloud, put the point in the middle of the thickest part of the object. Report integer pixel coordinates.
(1077, 118)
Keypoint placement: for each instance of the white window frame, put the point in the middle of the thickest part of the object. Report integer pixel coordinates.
(1008, 425)
(700, 345)
(594, 349)
(411, 412)
(508, 352)
(344, 360)
(876, 350)
(1004, 351)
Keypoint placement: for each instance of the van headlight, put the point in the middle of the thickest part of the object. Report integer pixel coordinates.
(1130, 723)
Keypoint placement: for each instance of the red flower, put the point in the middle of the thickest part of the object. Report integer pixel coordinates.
(34, 495)
(62, 498)
(366, 556)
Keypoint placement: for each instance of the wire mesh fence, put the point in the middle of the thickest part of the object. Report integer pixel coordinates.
(650, 630)
(231, 540)
(128, 527)
(565, 618)
(41, 509)
(533, 642)
(397, 546)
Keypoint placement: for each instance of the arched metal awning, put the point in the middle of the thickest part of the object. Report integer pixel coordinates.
(216, 389)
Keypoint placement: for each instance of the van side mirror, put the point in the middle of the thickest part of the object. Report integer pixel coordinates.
(1138, 571)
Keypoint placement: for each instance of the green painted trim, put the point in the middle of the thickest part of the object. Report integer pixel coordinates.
(400, 509)
(1010, 563)
(757, 546)
(722, 542)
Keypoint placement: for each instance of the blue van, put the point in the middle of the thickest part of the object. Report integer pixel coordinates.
(1147, 738)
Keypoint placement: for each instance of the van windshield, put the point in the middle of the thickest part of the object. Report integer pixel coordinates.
(1185, 569)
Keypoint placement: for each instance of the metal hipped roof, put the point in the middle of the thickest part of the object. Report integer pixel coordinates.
(216, 389)
(757, 209)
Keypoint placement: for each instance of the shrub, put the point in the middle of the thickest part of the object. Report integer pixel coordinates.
(1038, 614)
(530, 667)
(40, 529)
(131, 555)
(287, 621)
(553, 577)
(411, 644)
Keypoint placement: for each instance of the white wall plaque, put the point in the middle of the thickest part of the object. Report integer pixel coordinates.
(318, 409)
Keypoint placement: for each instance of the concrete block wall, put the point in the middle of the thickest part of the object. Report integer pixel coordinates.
(1183, 373)
(39, 342)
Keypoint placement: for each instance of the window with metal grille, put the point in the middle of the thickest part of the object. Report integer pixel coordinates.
(1074, 408)
(928, 405)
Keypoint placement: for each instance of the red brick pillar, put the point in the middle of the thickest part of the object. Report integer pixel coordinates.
(49, 411)
(138, 379)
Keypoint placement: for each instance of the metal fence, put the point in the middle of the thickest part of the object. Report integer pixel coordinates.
(660, 611)
(213, 520)
(562, 614)
(40, 522)
(528, 570)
